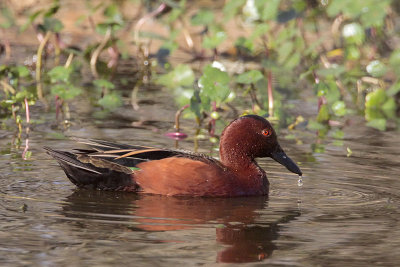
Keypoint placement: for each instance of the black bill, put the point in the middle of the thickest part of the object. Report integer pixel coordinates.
(280, 156)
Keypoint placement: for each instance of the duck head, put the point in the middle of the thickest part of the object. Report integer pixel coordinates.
(250, 137)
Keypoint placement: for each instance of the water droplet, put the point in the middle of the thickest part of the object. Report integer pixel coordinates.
(300, 181)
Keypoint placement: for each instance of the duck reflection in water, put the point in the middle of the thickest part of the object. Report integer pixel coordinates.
(239, 226)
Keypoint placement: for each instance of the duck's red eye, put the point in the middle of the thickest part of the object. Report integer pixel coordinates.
(266, 132)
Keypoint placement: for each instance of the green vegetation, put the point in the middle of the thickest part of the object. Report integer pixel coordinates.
(344, 53)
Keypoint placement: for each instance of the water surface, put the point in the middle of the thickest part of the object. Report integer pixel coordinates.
(346, 212)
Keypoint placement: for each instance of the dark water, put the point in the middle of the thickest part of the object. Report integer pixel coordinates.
(345, 214)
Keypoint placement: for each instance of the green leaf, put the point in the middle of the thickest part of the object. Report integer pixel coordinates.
(379, 124)
(259, 30)
(376, 68)
(59, 74)
(214, 84)
(65, 92)
(249, 77)
(333, 71)
(389, 108)
(22, 71)
(270, 10)
(183, 96)
(338, 134)
(211, 42)
(323, 114)
(111, 101)
(349, 151)
(353, 52)
(394, 89)
(52, 24)
(203, 17)
(353, 33)
(232, 7)
(284, 51)
(394, 60)
(339, 108)
(52, 10)
(8, 18)
(30, 20)
(101, 83)
(315, 126)
(182, 75)
(375, 99)
(293, 61)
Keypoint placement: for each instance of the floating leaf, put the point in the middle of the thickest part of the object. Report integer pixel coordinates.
(349, 151)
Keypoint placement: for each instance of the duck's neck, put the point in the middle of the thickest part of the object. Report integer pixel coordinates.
(251, 177)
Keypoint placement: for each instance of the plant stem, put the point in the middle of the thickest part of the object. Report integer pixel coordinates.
(39, 89)
(178, 115)
(96, 53)
(27, 111)
(69, 60)
(141, 21)
(270, 95)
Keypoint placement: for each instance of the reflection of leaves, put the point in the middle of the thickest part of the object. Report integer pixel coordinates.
(101, 83)
(379, 124)
(323, 114)
(111, 101)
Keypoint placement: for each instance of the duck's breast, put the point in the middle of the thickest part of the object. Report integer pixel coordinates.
(184, 176)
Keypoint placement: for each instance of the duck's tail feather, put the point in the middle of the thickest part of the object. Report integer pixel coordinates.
(85, 172)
